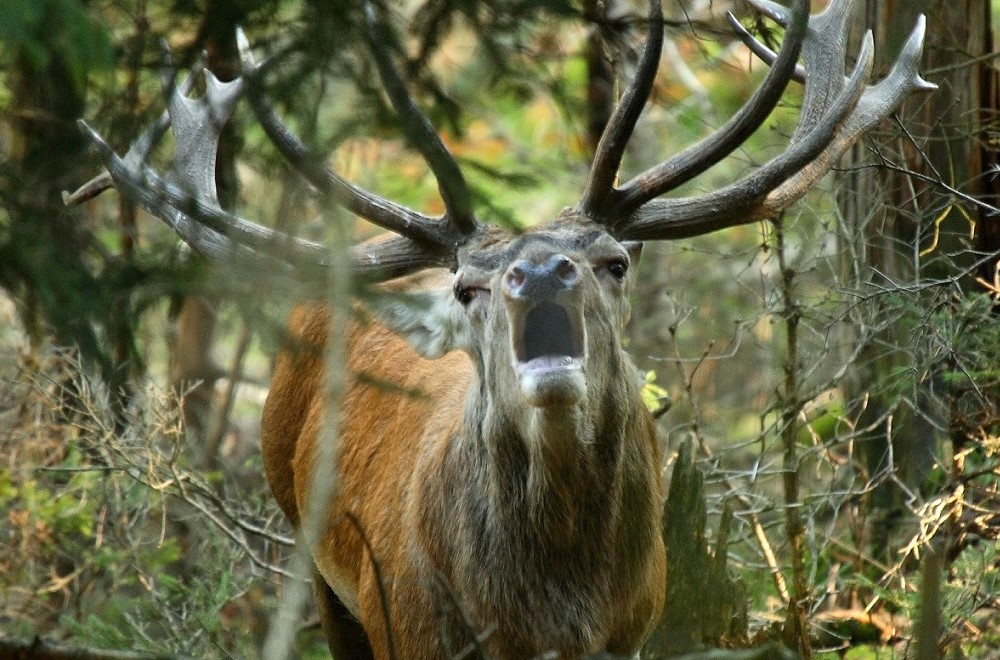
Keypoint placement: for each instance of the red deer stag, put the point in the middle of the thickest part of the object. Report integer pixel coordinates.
(516, 499)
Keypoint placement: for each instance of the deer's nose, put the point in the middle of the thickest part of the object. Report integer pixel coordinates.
(526, 279)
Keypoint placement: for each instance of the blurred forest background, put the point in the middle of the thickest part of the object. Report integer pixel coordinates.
(838, 371)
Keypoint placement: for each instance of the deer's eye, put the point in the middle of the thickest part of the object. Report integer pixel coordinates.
(464, 294)
(617, 268)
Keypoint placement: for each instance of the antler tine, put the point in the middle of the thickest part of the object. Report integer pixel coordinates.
(197, 125)
(878, 102)
(140, 149)
(422, 230)
(701, 156)
(88, 190)
(130, 182)
(741, 202)
(221, 236)
(599, 191)
(834, 114)
(420, 132)
(823, 53)
(903, 79)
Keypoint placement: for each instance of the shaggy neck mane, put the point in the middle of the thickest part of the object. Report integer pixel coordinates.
(544, 487)
(547, 515)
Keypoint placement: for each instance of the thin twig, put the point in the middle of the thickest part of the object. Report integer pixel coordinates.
(796, 630)
(382, 593)
(746, 505)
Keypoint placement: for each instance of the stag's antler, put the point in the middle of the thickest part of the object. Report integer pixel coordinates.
(835, 111)
(422, 241)
(188, 202)
(141, 147)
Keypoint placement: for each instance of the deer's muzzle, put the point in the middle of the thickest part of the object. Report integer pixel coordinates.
(547, 332)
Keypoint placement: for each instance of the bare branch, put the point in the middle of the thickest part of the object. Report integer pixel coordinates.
(43, 650)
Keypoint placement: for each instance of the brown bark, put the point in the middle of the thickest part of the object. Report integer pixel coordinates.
(899, 228)
(39, 649)
(697, 573)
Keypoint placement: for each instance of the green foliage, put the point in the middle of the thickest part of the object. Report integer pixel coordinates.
(109, 523)
(54, 515)
(968, 340)
(38, 30)
(653, 395)
(970, 593)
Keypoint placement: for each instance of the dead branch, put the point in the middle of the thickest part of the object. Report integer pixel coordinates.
(39, 649)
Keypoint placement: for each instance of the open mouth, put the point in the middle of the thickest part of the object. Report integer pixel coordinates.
(549, 339)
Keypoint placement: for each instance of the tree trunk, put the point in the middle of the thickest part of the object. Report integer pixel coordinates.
(898, 229)
(47, 260)
(704, 606)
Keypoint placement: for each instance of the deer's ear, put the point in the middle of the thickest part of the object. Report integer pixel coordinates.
(634, 249)
(432, 322)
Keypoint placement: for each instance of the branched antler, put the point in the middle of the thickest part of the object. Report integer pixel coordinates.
(189, 204)
(423, 241)
(835, 111)
(140, 149)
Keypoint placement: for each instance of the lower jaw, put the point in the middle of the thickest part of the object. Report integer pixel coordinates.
(553, 388)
